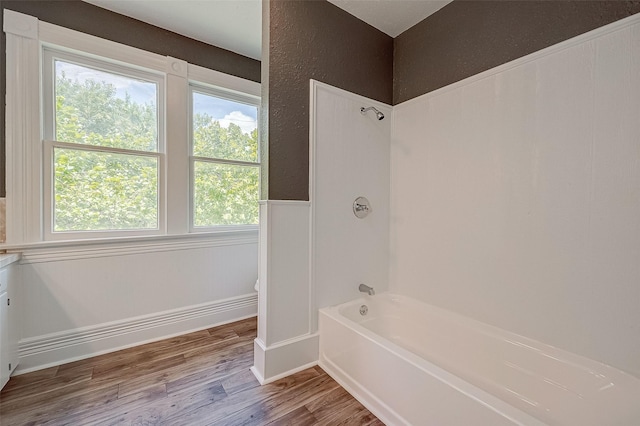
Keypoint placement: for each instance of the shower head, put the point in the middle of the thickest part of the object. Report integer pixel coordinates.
(379, 115)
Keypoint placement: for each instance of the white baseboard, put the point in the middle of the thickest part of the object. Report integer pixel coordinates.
(284, 358)
(72, 345)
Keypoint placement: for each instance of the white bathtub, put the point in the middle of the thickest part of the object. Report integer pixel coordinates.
(413, 363)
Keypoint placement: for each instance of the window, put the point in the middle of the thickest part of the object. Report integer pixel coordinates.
(103, 145)
(225, 159)
(105, 140)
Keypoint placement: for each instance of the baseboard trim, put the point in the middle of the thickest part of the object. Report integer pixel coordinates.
(282, 359)
(257, 374)
(288, 373)
(72, 345)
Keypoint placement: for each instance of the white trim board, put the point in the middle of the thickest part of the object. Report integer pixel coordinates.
(282, 359)
(78, 251)
(60, 348)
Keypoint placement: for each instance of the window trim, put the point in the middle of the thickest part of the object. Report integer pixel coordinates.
(26, 39)
(210, 90)
(49, 56)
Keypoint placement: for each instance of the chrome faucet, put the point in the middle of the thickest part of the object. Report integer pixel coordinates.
(366, 289)
(357, 207)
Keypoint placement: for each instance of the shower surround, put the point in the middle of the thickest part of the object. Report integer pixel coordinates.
(315, 253)
(515, 196)
(349, 158)
(514, 201)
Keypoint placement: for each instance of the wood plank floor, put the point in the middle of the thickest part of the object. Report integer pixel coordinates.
(200, 378)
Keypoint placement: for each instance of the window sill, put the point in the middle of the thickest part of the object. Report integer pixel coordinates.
(49, 251)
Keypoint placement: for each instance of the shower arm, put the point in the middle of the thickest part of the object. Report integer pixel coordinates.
(379, 114)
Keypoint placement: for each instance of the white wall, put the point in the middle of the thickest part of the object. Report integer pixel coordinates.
(88, 297)
(349, 158)
(284, 270)
(81, 301)
(286, 342)
(516, 196)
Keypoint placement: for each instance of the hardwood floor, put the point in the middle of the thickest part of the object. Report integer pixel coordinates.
(200, 378)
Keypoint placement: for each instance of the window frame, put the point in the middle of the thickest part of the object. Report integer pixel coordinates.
(221, 93)
(50, 143)
(26, 39)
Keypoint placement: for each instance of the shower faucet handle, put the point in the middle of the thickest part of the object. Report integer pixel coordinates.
(361, 207)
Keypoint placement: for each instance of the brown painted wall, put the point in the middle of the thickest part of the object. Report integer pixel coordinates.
(315, 40)
(90, 19)
(467, 37)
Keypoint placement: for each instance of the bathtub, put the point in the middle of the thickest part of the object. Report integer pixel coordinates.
(413, 363)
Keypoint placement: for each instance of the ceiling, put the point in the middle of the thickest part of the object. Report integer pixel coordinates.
(236, 24)
(392, 17)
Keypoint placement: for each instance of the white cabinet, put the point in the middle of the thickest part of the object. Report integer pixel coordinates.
(9, 317)
(4, 339)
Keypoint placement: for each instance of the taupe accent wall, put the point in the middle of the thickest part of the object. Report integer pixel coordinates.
(90, 19)
(467, 37)
(315, 40)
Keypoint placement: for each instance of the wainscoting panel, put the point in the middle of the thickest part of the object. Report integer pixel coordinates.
(82, 302)
(284, 343)
(60, 348)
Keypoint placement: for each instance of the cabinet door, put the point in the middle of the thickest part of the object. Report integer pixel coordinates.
(4, 340)
(13, 324)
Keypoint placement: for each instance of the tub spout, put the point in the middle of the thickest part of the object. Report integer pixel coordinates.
(366, 289)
